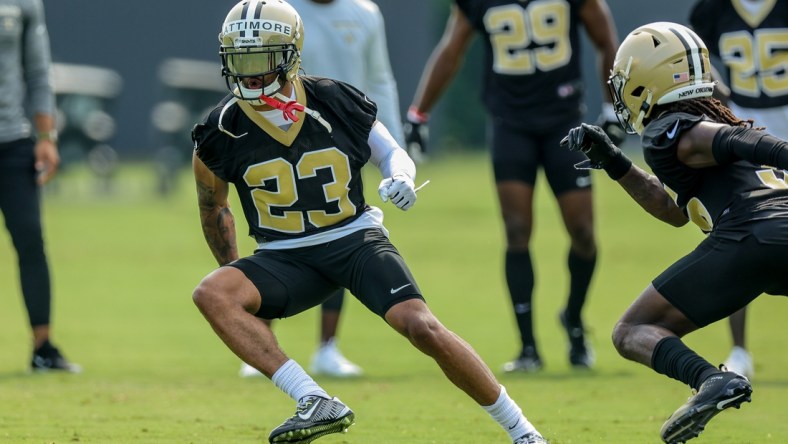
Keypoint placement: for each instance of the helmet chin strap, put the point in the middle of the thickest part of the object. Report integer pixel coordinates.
(271, 90)
(246, 92)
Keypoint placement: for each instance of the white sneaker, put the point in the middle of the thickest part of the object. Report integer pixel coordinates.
(740, 361)
(328, 360)
(247, 371)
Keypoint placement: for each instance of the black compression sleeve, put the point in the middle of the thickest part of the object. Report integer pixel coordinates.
(618, 166)
(733, 143)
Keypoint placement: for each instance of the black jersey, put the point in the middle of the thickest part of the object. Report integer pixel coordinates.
(752, 46)
(719, 199)
(532, 58)
(297, 182)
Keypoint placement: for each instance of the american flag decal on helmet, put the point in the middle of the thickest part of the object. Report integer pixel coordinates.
(681, 77)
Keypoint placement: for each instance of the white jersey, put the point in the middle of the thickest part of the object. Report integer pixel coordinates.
(346, 40)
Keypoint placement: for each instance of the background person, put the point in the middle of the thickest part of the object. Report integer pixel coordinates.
(347, 42)
(28, 159)
(745, 35)
(533, 93)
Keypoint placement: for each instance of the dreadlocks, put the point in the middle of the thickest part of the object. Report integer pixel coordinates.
(708, 106)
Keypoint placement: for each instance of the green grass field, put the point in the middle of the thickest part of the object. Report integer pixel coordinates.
(124, 265)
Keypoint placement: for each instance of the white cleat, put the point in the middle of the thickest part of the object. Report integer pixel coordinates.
(328, 361)
(247, 371)
(740, 361)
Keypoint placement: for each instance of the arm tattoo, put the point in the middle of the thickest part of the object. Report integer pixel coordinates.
(649, 193)
(218, 224)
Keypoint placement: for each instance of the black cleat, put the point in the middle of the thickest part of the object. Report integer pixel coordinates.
(580, 353)
(48, 358)
(314, 417)
(717, 393)
(528, 362)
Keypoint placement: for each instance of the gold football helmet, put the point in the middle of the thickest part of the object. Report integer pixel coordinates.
(656, 64)
(261, 43)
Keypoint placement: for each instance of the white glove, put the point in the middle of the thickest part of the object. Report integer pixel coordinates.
(400, 189)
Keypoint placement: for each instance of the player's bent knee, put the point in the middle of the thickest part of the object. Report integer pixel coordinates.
(206, 296)
(423, 330)
(414, 321)
(621, 333)
(426, 333)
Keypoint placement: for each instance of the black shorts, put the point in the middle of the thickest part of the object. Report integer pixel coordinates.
(722, 275)
(518, 153)
(294, 280)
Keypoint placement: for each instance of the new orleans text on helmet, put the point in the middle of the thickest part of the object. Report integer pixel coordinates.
(257, 25)
(699, 90)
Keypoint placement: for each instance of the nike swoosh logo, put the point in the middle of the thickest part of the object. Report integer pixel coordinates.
(515, 424)
(723, 404)
(394, 290)
(672, 133)
(308, 414)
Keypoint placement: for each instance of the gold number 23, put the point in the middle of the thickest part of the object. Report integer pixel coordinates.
(286, 193)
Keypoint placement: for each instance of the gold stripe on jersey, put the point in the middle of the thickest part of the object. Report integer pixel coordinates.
(753, 19)
(285, 137)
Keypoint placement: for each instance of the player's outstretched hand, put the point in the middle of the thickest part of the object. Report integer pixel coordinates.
(602, 153)
(594, 143)
(400, 190)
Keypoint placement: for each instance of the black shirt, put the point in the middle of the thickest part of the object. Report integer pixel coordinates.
(532, 72)
(721, 199)
(299, 182)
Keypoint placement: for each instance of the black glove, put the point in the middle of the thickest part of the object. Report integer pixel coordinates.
(609, 123)
(417, 133)
(613, 130)
(602, 153)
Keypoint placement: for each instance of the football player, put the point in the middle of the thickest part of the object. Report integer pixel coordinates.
(712, 168)
(347, 42)
(533, 91)
(743, 35)
(293, 146)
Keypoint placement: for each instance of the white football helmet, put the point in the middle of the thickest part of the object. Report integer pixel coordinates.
(261, 43)
(656, 64)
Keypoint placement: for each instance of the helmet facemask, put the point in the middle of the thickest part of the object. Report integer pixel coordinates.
(255, 70)
(260, 48)
(616, 83)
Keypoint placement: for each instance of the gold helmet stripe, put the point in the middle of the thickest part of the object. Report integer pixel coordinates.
(694, 59)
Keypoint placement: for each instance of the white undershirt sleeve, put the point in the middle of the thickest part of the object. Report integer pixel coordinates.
(387, 155)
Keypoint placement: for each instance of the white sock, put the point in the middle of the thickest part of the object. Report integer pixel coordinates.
(509, 415)
(293, 380)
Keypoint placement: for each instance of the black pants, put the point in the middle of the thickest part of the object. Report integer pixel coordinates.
(20, 203)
